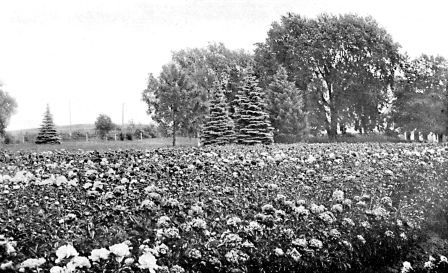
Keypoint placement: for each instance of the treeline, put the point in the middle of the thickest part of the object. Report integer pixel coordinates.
(324, 74)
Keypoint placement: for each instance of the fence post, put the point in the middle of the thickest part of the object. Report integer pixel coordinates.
(87, 137)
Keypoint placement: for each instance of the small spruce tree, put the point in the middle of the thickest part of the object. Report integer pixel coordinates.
(218, 128)
(47, 132)
(252, 122)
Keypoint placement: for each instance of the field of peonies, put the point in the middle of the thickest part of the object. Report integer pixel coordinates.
(281, 208)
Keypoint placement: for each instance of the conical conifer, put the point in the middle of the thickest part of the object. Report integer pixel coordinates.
(252, 121)
(47, 132)
(218, 128)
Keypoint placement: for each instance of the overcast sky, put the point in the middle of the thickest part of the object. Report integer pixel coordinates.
(96, 55)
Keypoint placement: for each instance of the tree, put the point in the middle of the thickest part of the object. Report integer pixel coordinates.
(345, 63)
(168, 98)
(47, 132)
(285, 107)
(8, 107)
(203, 66)
(218, 128)
(103, 125)
(252, 122)
(421, 96)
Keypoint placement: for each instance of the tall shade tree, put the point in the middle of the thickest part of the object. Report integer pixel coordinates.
(8, 107)
(285, 107)
(103, 125)
(218, 128)
(346, 63)
(251, 119)
(47, 132)
(169, 98)
(421, 96)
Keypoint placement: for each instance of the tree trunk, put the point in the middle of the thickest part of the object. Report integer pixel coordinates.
(416, 136)
(425, 136)
(332, 130)
(174, 129)
(408, 136)
(440, 138)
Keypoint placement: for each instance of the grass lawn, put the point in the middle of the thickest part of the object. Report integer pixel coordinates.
(103, 145)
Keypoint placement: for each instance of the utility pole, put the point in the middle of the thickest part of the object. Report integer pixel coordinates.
(70, 118)
(122, 116)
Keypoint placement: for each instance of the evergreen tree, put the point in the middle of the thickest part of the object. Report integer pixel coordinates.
(218, 128)
(47, 132)
(285, 107)
(252, 122)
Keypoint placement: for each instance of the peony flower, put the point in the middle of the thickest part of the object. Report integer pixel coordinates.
(148, 261)
(98, 254)
(335, 233)
(80, 262)
(337, 208)
(177, 269)
(120, 250)
(294, 254)
(389, 233)
(406, 267)
(65, 251)
(6, 266)
(234, 221)
(57, 269)
(348, 222)
(338, 195)
(361, 239)
(315, 243)
(32, 263)
(129, 261)
(199, 223)
(327, 217)
(443, 259)
(278, 252)
(163, 222)
(300, 242)
(195, 254)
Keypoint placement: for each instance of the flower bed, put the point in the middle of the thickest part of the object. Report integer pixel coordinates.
(286, 208)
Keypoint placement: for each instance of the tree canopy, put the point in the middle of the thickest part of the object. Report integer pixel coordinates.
(347, 61)
(8, 107)
(169, 98)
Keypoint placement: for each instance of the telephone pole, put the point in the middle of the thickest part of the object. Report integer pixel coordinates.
(122, 116)
(70, 118)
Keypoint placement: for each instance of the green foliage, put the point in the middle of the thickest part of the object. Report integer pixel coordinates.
(169, 98)
(218, 128)
(8, 106)
(346, 63)
(103, 125)
(252, 122)
(421, 96)
(203, 66)
(285, 107)
(47, 132)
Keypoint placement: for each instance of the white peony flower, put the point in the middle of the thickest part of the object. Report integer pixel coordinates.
(65, 251)
(148, 261)
(32, 263)
(338, 196)
(57, 269)
(406, 267)
(98, 254)
(81, 262)
(120, 250)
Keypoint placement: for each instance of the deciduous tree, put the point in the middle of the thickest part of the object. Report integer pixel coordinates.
(343, 60)
(169, 98)
(8, 106)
